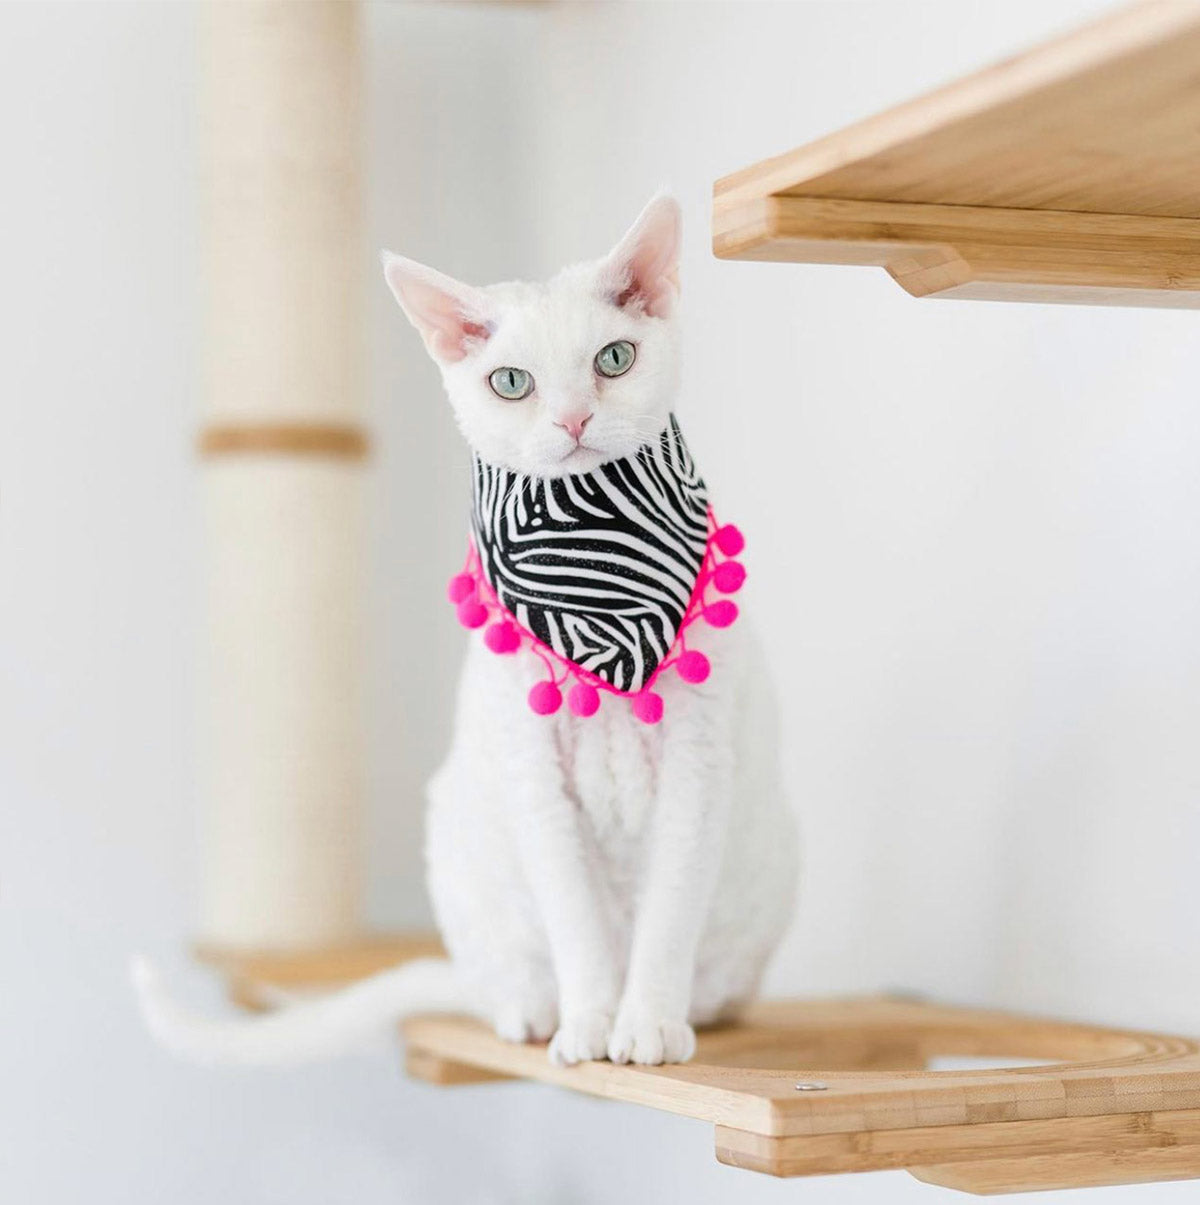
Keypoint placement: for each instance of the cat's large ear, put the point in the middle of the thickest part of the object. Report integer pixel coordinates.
(643, 268)
(450, 316)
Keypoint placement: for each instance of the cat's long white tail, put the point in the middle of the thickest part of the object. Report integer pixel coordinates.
(304, 1032)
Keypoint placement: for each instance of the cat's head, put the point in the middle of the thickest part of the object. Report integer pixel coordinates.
(558, 378)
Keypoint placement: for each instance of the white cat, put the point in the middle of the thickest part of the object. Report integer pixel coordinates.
(600, 882)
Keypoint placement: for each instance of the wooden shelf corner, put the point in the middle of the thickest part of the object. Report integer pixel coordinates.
(1066, 174)
(1116, 1107)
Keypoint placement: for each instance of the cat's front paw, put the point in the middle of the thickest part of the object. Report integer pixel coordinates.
(531, 1018)
(643, 1039)
(580, 1037)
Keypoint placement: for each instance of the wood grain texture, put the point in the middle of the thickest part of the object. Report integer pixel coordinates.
(1064, 174)
(1115, 1106)
(1090, 1169)
(963, 1148)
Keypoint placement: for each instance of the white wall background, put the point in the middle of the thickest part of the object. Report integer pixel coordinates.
(972, 538)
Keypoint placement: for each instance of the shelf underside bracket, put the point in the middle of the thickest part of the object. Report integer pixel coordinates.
(1065, 174)
(978, 252)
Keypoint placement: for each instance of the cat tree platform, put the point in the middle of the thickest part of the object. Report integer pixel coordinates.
(817, 1087)
(1066, 174)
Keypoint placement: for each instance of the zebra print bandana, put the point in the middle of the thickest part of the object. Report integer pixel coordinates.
(599, 573)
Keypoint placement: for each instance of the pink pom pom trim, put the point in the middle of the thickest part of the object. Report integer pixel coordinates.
(472, 614)
(721, 614)
(583, 700)
(502, 637)
(462, 586)
(476, 603)
(545, 698)
(648, 707)
(694, 666)
(729, 540)
(728, 578)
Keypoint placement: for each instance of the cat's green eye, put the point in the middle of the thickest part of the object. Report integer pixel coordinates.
(512, 384)
(615, 359)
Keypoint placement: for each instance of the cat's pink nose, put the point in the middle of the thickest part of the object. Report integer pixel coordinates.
(574, 424)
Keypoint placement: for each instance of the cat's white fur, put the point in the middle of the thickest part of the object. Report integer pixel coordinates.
(599, 882)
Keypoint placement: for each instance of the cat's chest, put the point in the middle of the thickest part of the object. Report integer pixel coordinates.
(610, 767)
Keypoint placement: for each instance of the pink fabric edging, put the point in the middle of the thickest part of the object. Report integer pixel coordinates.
(477, 606)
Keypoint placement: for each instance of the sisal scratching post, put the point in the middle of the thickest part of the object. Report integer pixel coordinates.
(282, 450)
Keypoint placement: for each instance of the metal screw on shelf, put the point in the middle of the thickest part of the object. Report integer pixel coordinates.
(813, 1086)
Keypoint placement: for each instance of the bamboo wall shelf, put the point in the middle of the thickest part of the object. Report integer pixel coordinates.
(1067, 174)
(1109, 1107)
(1119, 1108)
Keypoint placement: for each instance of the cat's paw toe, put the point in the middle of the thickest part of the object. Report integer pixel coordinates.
(580, 1037)
(643, 1040)
(528, 1020)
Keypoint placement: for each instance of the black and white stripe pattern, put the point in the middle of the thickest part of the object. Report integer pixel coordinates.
(601, 566)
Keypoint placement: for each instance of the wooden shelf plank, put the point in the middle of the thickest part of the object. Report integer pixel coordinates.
(1064, 174)
(1115, 1107)
(1111, 1106)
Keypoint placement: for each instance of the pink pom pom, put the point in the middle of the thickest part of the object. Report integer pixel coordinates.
(472, 614)
(728, 578)
(729, 539)
(461, 587)
(648, 707)
(545, 698)
(583, 700)
(693, 666)
(502, 637)
(721, 614)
